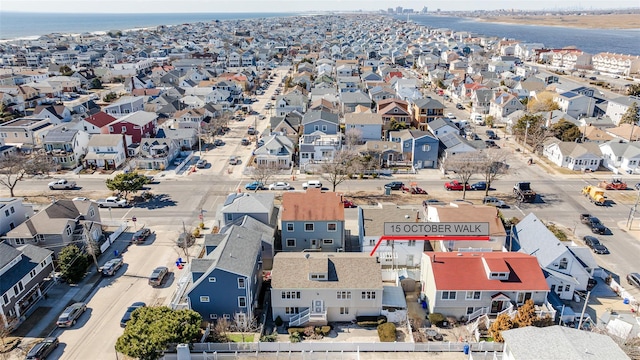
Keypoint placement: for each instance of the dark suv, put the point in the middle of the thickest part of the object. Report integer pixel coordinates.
(394, 185)
(140, 236)
(71, 314)
(596, 226)
(42, 349)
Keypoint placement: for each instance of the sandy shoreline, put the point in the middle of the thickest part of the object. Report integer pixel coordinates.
(613, 21)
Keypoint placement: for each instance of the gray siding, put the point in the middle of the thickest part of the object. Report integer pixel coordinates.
(304, 239)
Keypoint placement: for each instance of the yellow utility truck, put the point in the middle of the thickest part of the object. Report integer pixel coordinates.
(595, 194)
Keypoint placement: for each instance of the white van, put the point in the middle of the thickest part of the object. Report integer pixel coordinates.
(312, 184)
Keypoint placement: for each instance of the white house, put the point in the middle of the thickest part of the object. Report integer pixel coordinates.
(617, 107)
(15, 213)
(368, 125)
(573, 156)
(618, 154)
(106, 150)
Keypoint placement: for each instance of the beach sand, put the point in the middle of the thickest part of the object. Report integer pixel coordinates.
(612, 21)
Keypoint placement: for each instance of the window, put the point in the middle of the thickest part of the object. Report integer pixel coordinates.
(124, 129)
(291, 294)
(426, 147)
(448, 295)
(472, 295)
(308, 227)
(212, 279)
(344, 311)
(332, 227)
(563, 263)
(241, 284)
(6, 213)
(229, 217)
(19, 241)
(412, 243)
(32, 273)
(204, 299)
(327, 241)
(523, 297)
(368, 295)
(92, 212)
(344, 295)
(213, 316)
(291, 310)
(291, 242)
(13, 210)
(290, 227)
(226, 316)
(567, 287)
(242, 301)
(69, 231)
(469, 310)
(5, 299)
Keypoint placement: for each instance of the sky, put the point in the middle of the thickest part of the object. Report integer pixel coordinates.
(213, 6)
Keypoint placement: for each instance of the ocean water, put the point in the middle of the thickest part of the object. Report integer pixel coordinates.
(20, 25)
(593, 41)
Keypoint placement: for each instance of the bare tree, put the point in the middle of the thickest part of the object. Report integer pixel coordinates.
(263, 172)
(352, 137)
(244, 325)
(39, 164)
(12, 170)
(493, 165)
(465, 165)
(340, 167)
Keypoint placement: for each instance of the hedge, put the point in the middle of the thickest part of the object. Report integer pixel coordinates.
(387, 332)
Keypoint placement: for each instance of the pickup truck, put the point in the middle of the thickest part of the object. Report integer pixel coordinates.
(456, 185)
(62, 184)
(112, 201)
(111, 266)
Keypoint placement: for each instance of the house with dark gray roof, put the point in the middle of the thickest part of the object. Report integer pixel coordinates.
(61, 223)
(225, 282)
(23, 270)
(66, 146)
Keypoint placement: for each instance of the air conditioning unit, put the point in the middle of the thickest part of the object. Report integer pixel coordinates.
(339, 250)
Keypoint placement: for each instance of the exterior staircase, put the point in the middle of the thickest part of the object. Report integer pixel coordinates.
(306, 316)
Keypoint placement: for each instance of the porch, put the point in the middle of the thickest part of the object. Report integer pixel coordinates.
(315, 315)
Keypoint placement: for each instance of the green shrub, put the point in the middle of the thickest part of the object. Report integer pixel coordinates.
(269, 338)
(325, 330)
(367, 323)
(387, 332)
(436, 318)
(295, 337)
(279, 321)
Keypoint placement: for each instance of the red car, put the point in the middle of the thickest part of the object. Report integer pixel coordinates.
(348, 204)
(455, 185)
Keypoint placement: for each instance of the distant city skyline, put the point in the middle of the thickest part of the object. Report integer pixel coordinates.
(191, 6)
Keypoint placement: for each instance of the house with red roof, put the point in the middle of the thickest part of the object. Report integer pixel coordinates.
(394, 109)
(471, 284)
(312, 220)
(93, 124)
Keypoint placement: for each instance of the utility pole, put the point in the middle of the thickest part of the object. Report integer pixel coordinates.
(584, 308)
(632, 212)
(526, 132)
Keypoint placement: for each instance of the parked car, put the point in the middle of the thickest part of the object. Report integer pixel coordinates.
(597, 227)
(71, 314)
(158, 274)
(141, 235)
(127, 314)
(42, 349)
(62, 184)
(111, 267)
(491, 144)
(455, 185)
(459, 106)
(491, 135)
(395, 185)
(595, 245)
(634, 279)
(280, 185)
(218, 142)
(254, 185)
(234, 160)
(111, 202)
(201, 164)
(81, 199)
(480, 185)
(245, 142)
(348, 204)
(490, 200)
(312, 184)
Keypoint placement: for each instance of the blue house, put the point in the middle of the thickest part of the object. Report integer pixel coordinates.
(323, 121)
(419, 147)
(226, 281)
(312, 220)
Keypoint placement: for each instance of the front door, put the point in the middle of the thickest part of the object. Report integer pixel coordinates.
(314, 243)
(318, 306)
(496, 307)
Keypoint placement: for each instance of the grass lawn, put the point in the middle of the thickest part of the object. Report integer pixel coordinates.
(238, 337)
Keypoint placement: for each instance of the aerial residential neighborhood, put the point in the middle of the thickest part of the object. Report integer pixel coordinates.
(359, 184)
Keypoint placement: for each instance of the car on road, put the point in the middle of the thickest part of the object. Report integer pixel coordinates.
(71, 314)
(451, 116)
(245, 142)
(480, 185)
(262, 117)
(111, 267)
(490, 200)
(597, 227)
(141, 235)
(42, 349)
(201, 164)
(312, 184)
(459, 106)
(111, 202)
(127, 314)
(491, 135)
(395, 185)
(633, 279)
(491, 144)
(455, 185)
(234, 160)
(218, 142)
(158, 275)
(595, 244)
(80, 198)
(280, 185)
(62, 184)
(254, 185)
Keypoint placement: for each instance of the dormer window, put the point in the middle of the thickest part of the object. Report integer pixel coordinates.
(563, 264)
